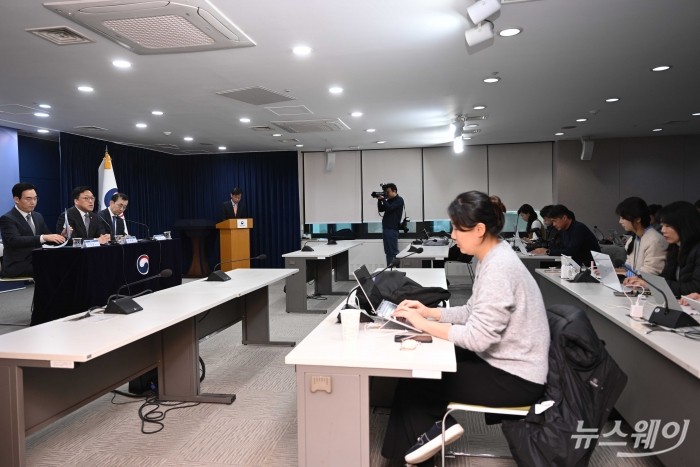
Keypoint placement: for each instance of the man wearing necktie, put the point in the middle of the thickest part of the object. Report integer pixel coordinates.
(23, 230)
(235, 208)
(82, 219)
(114, 214)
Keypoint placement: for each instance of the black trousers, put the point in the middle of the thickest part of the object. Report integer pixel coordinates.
(419, 403)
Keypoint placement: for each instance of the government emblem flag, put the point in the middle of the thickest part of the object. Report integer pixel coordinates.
(107, 183)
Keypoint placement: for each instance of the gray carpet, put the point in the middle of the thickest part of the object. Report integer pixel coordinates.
(258, 429)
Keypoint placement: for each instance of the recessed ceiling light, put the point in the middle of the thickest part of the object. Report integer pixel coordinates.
(510, 32)
(492, 80)
(245, 120)
(335, 90)
(559, 134)
(276, 134)
(581, 119)
(301, 50)
(41, 114)
(157, 112)
(661, 68)
(222, 148)
(42, 130)
(658, 129)
(188, 138)
(466, 137)
(370, 130)
(300, 145)
(472, 125)
(479, 107)
(356, 114)
(381, 142)
(141, 125)
(85, 89)
(121, 64)
(612, 99)
(696, 114)
(45, 106)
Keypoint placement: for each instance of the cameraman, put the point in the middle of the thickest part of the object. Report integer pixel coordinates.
(391, 204)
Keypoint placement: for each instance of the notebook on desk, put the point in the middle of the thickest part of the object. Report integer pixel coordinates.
(384, 310)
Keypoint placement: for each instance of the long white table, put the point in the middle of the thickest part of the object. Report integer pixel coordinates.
(333, 426)
(663, 368)
(49, 370)
(318, 265)
(429, 253)
(533, 262)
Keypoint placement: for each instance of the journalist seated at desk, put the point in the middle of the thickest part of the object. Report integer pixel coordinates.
(646, 249)
(577, 240)
(23, 230)
(680, 226)
(534, 229)
(501, 338)
(114, 214)
(84, 223)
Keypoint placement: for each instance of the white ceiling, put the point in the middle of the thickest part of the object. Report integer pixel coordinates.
(403, 63)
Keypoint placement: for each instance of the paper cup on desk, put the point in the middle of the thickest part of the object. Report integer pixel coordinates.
(350, 320)
(77, 242)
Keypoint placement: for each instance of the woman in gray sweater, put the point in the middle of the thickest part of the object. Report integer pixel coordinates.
(501, 339)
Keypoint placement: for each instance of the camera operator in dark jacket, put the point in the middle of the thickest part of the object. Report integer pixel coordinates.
(391, 204)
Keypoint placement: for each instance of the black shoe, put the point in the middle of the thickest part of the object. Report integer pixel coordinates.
(430, 442)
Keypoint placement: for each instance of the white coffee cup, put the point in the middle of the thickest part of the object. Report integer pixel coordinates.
(167, 235)
(351, 324)
(77, 242)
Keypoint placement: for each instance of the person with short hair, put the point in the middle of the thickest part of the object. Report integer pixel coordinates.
(82, 219)
(23, 230)
(577, 240)
(646, 248)
(501, 339)
(235, 208)
(392, 205)
(113, 215)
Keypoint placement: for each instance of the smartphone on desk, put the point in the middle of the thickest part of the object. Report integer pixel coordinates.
(633, 293)
(424, 338)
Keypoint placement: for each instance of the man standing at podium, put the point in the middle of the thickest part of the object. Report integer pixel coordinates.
(235, 208)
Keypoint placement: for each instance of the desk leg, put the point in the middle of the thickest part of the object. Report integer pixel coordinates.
(256, 319)
(178, 375)
(324, 274)
(12, 429)
(342, 266)
(295, 287)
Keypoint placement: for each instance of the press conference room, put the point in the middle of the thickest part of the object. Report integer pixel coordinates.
(308, 108)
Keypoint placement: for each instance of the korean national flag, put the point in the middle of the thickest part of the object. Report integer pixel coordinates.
(107, 183)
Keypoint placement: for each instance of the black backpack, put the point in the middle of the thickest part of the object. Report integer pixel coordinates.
(395, 287)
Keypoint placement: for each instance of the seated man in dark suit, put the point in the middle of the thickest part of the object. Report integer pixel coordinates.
(577, 240)
(112, 215)
(23, 230)
(84, 223)
(235, 209)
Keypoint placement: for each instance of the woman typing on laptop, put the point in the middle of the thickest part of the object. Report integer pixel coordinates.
(646, 249)
(501, 338)
(680, 226)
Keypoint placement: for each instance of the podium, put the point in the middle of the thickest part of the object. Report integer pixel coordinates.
(234, 237)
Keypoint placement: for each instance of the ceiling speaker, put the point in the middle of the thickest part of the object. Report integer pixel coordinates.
(586, 149)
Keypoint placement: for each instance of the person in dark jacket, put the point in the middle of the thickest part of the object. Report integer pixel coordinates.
(392, 206)
(680, 226)
(577, 240)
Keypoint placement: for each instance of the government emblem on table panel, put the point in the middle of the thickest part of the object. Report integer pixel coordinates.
(142, 264)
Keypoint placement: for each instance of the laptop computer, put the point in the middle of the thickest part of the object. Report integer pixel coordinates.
(520, 245)
(608, 276)
(385, 308)
(569, 268)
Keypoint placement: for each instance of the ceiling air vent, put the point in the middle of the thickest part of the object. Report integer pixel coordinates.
(471, 132)
(472, 118)
(290, 110)
(90, 128)
(156, 27)
(261, 128)
(256, 95)
(60, 35)
(310, 126)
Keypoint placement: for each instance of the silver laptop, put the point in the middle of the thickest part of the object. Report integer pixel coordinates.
(608, 276)
(520, 245)
(384, 310)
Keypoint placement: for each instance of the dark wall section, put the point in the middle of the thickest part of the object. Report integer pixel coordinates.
(39, 163)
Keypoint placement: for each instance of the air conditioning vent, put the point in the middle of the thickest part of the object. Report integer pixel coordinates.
(60, 35)
(256, 95)
(155, 27)
(90, 128)
(290, 110)
(290, 141)
(472, 118)
(310, 126)
(261, 128)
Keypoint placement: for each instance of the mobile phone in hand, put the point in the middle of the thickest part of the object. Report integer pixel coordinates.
(424, 338)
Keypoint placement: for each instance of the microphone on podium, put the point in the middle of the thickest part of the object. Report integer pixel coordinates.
(306, 247)
(127, 305)
(148, 231)
(111, 229)
(220, 276)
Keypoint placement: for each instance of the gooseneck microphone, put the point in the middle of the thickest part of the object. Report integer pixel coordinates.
(220, 276)
(603, 240)
(110, 231)
(127, 305)
(148, 231)
(306, 246)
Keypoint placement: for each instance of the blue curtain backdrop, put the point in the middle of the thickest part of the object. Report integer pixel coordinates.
(163, 188)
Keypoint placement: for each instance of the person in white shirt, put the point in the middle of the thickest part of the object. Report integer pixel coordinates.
(646, 249)
(534, 229)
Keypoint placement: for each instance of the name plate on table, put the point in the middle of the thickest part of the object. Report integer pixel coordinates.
(242, 223)
(91, 243)
(128, 240)
(159, 237)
